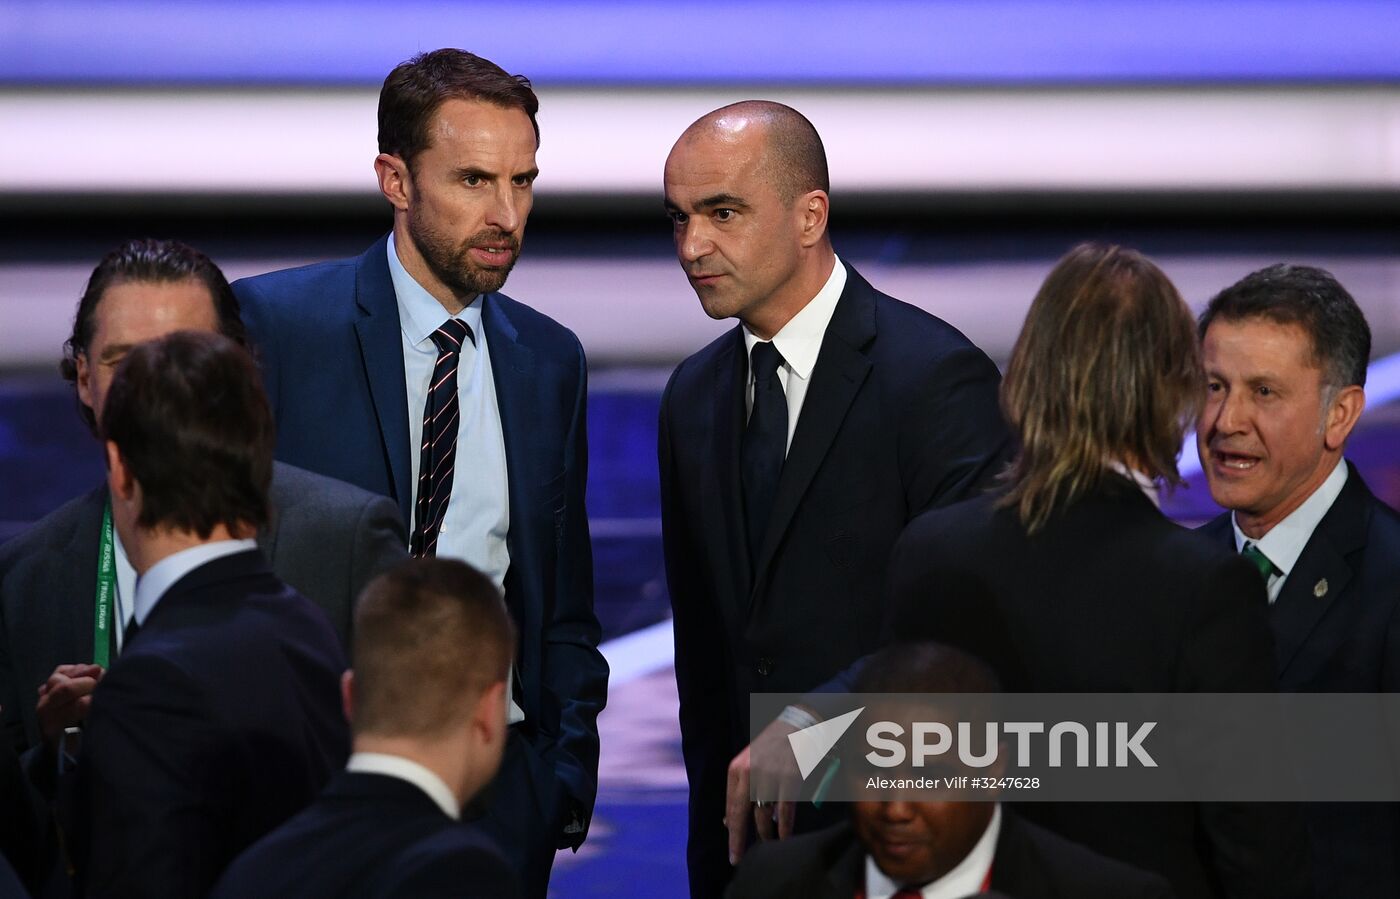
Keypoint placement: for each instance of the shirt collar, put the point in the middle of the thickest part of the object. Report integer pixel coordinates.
(1145, 484)
(964, 880)
(800, 340)
(1284, 542)
(420, 314)
(421, 777)
(163, 575)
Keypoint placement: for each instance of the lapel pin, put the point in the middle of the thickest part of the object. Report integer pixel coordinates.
(1320, 588)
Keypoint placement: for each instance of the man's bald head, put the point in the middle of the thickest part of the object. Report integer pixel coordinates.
(794, 160)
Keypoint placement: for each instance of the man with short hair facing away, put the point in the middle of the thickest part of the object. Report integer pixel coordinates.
(221, 719)
(942, 849)
(426, 700)
(1285, 352)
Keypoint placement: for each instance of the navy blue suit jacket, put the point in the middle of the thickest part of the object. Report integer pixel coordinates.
(369, 836)
(1346, 641)
(332, 360)
(901, 415)
(219, 721)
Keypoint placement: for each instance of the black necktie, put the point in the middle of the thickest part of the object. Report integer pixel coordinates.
(439, 450)
(765, 443)
(132, 628)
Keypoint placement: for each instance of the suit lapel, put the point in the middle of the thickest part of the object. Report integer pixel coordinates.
(268, 533)
(840, 371)
(512, 371)
(731, 378)
(1341, 532)
(381, 348)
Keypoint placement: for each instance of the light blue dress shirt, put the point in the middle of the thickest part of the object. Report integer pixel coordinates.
(163, 575)
(477, 521)
(478, 510)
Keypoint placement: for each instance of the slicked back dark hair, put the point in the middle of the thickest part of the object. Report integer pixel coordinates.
(430, 636)
(415, 89)
(1313, 300)
(147, 260)
(188, 416)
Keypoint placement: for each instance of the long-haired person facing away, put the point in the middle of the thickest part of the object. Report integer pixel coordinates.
(1069, 578)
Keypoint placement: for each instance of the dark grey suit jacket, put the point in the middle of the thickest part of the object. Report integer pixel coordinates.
(326, 539)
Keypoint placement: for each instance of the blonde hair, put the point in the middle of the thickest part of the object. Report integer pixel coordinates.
(1106, 369)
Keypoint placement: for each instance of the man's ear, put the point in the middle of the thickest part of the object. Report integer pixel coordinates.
(1342, 416)
(489, 716)
(347, 694)
(119, 479)
(84, 382)
(814, 207)
(395, 180)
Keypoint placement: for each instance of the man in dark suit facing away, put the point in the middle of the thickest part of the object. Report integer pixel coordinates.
(948, 848)
(324, 537)
(222, 718)
(407, 372)
(426, 700)
(1286, 350)
(793, 449)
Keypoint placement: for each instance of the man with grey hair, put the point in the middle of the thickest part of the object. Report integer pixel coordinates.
(1285, 351)
(793, 449)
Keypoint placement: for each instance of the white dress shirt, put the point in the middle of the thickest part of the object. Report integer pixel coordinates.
(1284, 542)
(964, 880)
(477, 520)
(1145, 484)
(404, 769)
(799, 341)
(125, 594)
(163, 575)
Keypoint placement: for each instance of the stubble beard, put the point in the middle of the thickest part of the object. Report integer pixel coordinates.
(453, 265)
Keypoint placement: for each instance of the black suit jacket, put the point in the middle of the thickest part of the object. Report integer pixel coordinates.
(901, 415)
(1030, 863)
(369, 836)
(325, 538)
(220, 720)
(1110, 596)
(331, 353)
(1346, 641)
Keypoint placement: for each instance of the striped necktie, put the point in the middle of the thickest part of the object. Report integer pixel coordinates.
(438, 455)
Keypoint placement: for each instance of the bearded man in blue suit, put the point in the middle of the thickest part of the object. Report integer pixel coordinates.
(405, 372)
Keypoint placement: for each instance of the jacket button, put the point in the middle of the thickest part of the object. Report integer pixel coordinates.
(765, 666)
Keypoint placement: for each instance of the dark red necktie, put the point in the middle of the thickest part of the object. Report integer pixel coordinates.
(439, 450)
